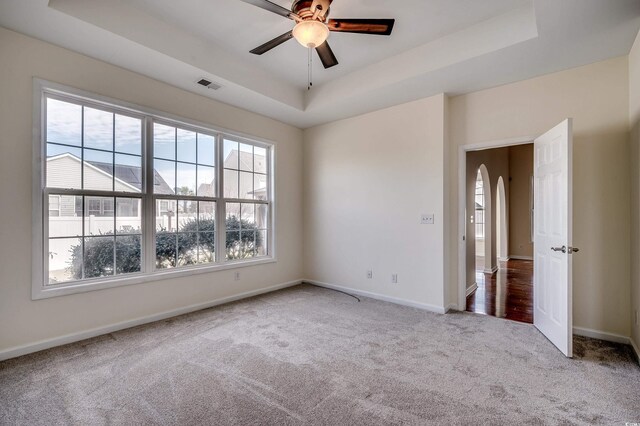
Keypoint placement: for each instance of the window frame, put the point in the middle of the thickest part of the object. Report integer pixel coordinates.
(40, 287)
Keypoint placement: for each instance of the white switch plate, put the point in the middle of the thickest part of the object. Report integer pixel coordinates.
(427, 219)
(394, 278)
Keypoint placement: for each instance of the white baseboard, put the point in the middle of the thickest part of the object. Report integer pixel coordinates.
(378, 296)
(82, 335)
(602, 335)
(504, 259)
(520, 257)
(471, 289)
(635, 349)
(451, 307)
(491, 271)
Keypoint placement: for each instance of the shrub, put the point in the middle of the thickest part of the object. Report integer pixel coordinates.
(98, 251)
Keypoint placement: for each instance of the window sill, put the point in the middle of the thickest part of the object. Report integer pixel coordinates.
(45, 292)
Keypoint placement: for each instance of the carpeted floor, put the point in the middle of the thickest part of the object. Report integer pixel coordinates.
(308, 355)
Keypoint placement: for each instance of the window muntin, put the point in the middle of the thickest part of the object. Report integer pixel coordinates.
(94, 191)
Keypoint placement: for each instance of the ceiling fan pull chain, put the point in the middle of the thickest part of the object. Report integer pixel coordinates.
(309, 64)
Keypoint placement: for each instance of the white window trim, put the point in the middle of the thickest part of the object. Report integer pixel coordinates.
(40, 290)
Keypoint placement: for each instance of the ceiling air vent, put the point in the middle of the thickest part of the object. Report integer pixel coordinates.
(208, 84)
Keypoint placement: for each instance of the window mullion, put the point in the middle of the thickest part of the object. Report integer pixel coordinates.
(148, 202)
(221, 208)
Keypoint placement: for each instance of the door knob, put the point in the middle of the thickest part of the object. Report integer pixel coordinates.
(562, 249)
(573, 250)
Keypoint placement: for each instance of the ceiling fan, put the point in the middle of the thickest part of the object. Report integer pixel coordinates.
(313, 26)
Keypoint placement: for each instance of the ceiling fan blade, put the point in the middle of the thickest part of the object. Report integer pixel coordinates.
(326, 55)
(272, 43)
(362, 26)
(271, 7)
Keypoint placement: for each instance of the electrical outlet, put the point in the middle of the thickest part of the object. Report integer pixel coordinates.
(369, 274)
(236, 276)
(394, 278)
(427, 219)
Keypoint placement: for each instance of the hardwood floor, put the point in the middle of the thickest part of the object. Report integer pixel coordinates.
(506, 294)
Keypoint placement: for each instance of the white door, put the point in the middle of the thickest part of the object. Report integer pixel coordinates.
(552, 310)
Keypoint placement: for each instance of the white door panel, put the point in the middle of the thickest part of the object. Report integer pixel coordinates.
(552, 313)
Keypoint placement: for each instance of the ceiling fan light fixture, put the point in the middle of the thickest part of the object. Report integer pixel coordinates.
(311, 34)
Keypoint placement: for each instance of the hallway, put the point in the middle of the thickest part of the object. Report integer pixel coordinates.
(506, 294)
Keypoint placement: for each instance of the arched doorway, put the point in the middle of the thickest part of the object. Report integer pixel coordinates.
(501, 221)
(483, 220)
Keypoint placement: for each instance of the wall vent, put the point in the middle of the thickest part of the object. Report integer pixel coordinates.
(208, 84)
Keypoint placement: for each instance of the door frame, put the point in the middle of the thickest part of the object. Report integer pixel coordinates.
(462, 204)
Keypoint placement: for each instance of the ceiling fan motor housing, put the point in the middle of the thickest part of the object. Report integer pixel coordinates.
(306, 9)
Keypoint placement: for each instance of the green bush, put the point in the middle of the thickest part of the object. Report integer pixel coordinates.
(99, 251)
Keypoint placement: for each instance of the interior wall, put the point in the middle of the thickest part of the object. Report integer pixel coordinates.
(23, 321)
(597, 97)
(497, 163)
(520, 172)
(368, 179)
(634, 115)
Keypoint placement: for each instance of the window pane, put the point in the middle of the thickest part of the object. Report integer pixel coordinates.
(231, 184)
(231, 154)
(233, 216)
(98, 257)
(186, 145)
(186, 182)
(128, 254)
(248, 244)
(65, 260)
(99, 214)
(246, 185)
(65, 223)
(64, 122)
(260, 159)
(246, 157)
(128, 173)
(63, 167)
(164, 181)
(206, 216)
(206, 181)
(206, 150)
(187, 249)
(261, 243)
(206, 247)
(165, 251)
(164, 141)
(260, 187)
(128, 135)
(262, 212)
(187, 216)
(98, 170)
(233, 245)
(128, 216)
(98, 129)
(247, 213)
(166, 217)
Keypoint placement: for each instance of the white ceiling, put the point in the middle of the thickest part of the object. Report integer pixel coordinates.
(451, 46)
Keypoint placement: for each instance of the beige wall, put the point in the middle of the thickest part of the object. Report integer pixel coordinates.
(367, 181)
(23, 321)
(597, 97)
(634, 115)
(497, 163)
(520, 173)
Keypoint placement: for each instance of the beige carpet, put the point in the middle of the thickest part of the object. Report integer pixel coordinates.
(308, 355)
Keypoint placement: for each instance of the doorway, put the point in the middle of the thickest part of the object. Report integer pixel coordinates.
(500, 281)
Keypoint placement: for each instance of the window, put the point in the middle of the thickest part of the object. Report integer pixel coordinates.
(128, 195)
(479, 201)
